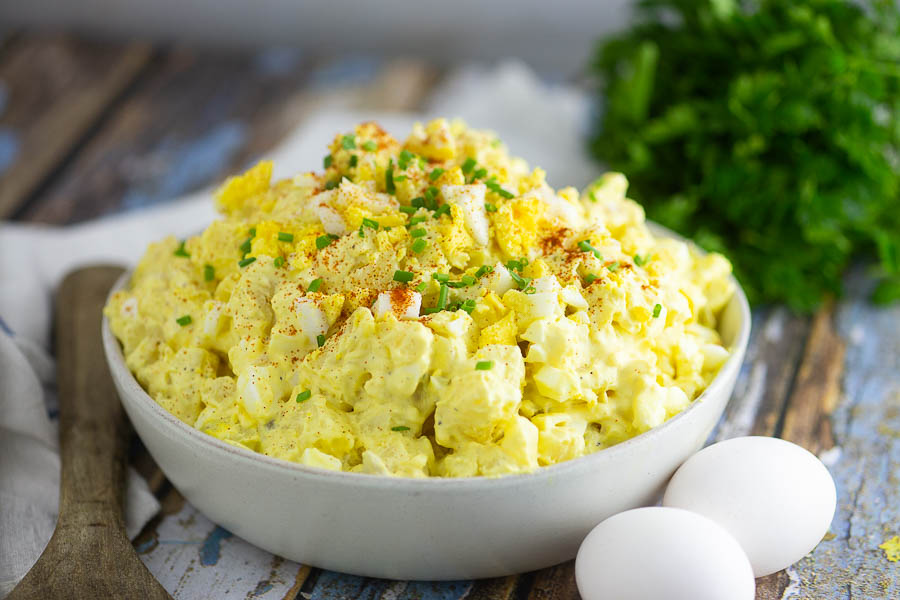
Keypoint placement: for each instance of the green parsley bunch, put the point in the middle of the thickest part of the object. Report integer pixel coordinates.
(768, 131)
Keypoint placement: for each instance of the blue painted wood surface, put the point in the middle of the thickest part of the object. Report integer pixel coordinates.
(865, 463)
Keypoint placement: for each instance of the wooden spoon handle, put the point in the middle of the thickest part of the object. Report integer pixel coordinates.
(93, 428)
(89, 555)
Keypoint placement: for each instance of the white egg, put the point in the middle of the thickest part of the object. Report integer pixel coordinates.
(653, 553)
(409, 304)
(499, 281)
(311, 319)
(331, 220)
(470, 198)
(774, 497)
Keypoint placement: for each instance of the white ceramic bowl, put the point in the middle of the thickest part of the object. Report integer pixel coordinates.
(424, 529)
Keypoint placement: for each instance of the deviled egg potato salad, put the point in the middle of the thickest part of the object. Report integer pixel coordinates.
(423, 308)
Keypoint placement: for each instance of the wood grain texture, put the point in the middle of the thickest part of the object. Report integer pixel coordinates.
(555, 583)
(89, 555)
(865, 460)
(56, 89)
(194, 558)
(777, 340)
(185, 124)
(197, 118)
(817, 387)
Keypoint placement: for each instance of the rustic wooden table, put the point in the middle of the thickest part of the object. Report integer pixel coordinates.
(89, 128)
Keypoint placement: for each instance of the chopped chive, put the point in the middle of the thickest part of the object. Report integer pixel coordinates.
(416, 220)
(468, 165)
(324, 240)
(327, 161)
(320, 339)
(400, 428)
(442, 296)
(405, 157)
(468, 306)
(361, 232)
(590, 278)
(443, 209)
(419, 246)
(285, 237)
(479, 173)
(498, 189)
(403, 276)
(209, 272)
(245, 247)
(431, 193)
(418, 202)
(370, 146)
(517, 264)
(398, 178)
(490, 207)
(389, 179)
(279, 262)
(591, 195)
(253, 232)
(656, 310)
(522, 282)
(246, 261)
(180, 251)
(304, 396)
(431, 310)
(330, 185)
(456, 284)
(370, 223)
(468, 280)
(585, 246)
(422, 287)
(484, 365)
(354, 160)
(442, 277)
(348, 142)
(314, 285)
(613, 266)
(484, 270)
(417, 232)
(408, 209)
(433, 176)
(641, 260)
(185, 320)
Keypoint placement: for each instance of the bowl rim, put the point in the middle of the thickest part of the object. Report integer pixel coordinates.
(116, 362)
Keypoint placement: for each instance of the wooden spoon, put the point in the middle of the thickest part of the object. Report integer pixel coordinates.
(89, 555)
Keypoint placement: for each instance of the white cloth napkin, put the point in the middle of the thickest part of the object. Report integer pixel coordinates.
(544, 124)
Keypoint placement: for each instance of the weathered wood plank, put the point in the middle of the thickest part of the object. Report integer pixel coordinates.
(555, 583)
(776, 345)
(500, 588)
(198, 118)
(194, 558)
(436, 590)
(193, 118)
(817, 387)
(808, 410)
(865, 460)
(53, 90)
